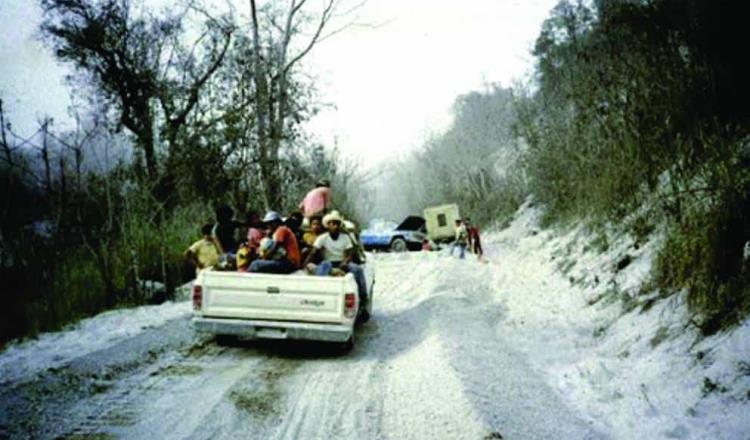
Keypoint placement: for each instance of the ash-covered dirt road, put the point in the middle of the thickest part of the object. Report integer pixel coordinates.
(429, 365)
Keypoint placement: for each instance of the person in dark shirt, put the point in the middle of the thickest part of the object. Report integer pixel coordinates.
(224, 230)
(294, 222)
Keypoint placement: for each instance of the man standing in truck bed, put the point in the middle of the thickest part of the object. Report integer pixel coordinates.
(316, 201)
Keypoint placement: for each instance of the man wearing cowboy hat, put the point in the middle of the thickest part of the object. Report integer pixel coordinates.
(338, 251)
(282, 237)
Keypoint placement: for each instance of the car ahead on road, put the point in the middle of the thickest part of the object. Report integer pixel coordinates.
(408, 235)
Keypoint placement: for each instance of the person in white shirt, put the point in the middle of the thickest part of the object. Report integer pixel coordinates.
(337, 251)
(462, 237)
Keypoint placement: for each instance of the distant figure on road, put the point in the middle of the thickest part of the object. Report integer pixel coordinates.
(316, 201)
(462, 236)
(426, 245)
(475, 244)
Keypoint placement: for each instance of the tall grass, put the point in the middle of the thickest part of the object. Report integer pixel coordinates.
(55, 286)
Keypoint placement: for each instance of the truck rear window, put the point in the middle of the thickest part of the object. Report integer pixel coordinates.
(441, 220)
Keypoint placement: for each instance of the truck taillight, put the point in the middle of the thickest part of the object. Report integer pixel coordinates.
(350, 303)
(197, 297)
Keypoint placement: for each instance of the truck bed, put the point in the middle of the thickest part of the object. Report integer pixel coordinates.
(296, 306)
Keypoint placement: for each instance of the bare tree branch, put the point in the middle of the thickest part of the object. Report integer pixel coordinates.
(194, 90)
(3, 137)
(324, 18)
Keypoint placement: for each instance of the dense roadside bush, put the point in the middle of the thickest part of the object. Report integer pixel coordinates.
(642, 105)
(704, 249)
(65, 261)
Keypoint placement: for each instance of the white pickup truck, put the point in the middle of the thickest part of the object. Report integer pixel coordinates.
(296, 306)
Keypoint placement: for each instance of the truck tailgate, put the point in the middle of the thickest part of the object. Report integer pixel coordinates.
(300, 298)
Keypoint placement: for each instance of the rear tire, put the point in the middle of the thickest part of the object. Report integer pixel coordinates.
(398, 245)
(362, 316)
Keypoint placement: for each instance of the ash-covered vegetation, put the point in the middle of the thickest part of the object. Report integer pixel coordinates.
(637, 115)
(177, 110)
(474, 163)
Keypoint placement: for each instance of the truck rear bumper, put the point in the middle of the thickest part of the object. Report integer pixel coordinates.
(274, 329)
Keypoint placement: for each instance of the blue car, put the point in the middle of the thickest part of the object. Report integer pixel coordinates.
(408, 235)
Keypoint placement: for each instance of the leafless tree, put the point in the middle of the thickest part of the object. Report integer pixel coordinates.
(281, 39)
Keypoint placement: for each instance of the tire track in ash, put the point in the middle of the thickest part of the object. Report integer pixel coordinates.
(254, 405)
(395, 384)
(511, 398)
(119, 409)
(55, 401)
(316, 392)
(199, 405)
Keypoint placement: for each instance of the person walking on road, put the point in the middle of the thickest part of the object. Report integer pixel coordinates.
(460, 240)
(475, 244)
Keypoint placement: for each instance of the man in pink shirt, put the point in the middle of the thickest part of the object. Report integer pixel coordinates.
(316, 201)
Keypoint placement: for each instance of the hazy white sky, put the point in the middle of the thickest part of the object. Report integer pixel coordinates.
(31, 83)
(395, 84)
(390, 85)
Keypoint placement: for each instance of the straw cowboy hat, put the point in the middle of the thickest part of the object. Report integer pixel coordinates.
(332, 216)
